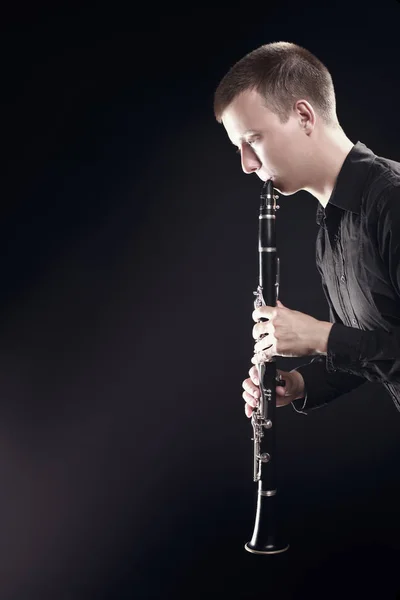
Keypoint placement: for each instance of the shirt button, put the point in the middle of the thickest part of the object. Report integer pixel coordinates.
(354, 321)
(343, 278)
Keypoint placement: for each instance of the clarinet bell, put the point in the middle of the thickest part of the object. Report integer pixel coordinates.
(265, 539)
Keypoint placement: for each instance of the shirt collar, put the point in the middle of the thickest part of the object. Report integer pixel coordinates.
(347, 192)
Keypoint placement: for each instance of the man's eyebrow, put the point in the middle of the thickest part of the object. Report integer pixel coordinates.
(250, 132)
(247, 132)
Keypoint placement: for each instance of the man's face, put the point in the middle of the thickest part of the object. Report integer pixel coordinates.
(267, 147)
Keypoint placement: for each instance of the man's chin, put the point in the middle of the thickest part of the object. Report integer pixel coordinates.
(283, 192)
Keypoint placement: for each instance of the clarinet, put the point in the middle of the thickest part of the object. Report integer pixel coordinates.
(266, 538)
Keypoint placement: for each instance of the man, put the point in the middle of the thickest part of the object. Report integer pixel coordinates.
(277, 105)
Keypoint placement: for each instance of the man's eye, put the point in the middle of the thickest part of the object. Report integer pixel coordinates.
(249, 143)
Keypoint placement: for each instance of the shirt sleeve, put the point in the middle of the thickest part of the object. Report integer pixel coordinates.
(322, 385)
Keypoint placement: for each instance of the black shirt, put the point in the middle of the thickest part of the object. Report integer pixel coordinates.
(358, 257)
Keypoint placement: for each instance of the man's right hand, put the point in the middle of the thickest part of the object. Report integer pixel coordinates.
(293, 389)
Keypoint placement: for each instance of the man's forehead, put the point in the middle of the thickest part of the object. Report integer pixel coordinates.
(244, 116)
(236, 135)
(239, 127)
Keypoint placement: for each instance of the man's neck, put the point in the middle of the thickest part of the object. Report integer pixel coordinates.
(330, 153)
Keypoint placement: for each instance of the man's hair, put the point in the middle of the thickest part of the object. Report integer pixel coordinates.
(281, 72)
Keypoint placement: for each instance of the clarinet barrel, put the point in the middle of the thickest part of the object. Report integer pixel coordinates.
(267, 537)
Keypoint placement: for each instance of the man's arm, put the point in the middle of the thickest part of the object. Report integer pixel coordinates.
(322, 386)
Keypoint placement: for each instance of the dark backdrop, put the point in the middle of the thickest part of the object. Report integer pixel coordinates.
(128, 263)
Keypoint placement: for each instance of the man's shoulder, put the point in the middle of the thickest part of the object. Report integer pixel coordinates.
(383, 181)
(387, 170)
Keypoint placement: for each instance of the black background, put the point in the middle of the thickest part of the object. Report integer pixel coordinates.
(128, 263)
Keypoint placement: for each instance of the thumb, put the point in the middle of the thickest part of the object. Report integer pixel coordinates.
(286, 389)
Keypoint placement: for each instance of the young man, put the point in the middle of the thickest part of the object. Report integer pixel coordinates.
(277, 105)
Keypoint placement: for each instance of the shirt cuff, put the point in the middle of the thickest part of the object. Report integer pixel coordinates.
(343, 349)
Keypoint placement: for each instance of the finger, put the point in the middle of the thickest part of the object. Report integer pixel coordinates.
(254, 375)
(266, 343)
(262, 328)
(264, 312)
(256, 359)
(261, 357)
(252, 389)
(248, 410)
(249, 399)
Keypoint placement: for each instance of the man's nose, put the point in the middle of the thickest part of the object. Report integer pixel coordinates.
(250, 161)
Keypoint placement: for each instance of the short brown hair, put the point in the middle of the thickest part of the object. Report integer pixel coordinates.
(282, 73)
